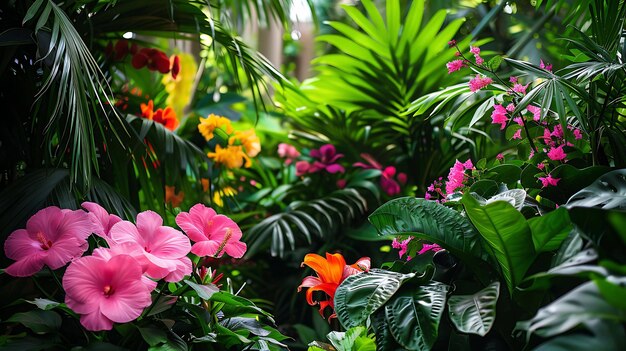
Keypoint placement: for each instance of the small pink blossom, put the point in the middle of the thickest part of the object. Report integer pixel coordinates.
(457, 176)
(577, 134)
(542, 65)
(105, 291)
(401, 245)
(452, 43)
(500, 157)
(53, 237)
(164, 248)
(214, 234)
(288, 152)
(557, 132)
(510, 107)
(557, 153)
(479, 60)
(541, 165)
(519, 121)
(429, 247)
(475, 50)
(341, 183)
(536, 111)
(498, 116)
(549, 181)
(517, 135)
(455, 65)
(302, 168)
(513, 79)
(518, 88)
(479, 82)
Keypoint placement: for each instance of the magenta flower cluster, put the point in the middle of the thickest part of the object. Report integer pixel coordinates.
(325, 159)
(114, 283)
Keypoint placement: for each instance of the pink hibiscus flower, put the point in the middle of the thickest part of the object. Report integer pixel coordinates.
(53, 237)
(163, 247)
(213, 234)
(129, 250)
(104, 291)
(498, 116)
(101, 218)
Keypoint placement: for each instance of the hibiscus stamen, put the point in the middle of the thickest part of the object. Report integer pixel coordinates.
(108, 290)
(45, 243)
(229, 233)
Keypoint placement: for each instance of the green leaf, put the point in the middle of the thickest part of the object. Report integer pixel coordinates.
(153, 336)
(508, 235)
(613, 289)
(353, 339)
(583, 304)
(549, 231)
(414, 320)
(606, 336)
(38, 321)
(204, 291)
(360, 295)
(475, 314)
(607, 192)
(430, 221)
(495, 62)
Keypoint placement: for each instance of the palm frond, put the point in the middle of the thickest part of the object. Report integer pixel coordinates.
(303, 221)
(75, 87)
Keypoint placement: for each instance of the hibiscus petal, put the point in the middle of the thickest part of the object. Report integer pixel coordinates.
(26, 267)
(205, 248)
(20, 245)
(235, 249)
(148, 222)
(84, 279)
(126, 232)
(64, 250)
(95, 321)
(76, 224)
(335, 168)
(169, 243)
(183, 268)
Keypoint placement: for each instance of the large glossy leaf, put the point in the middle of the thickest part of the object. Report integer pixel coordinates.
(413, 319)
(607, 192)
(549, 231)
(506, 233)
(475, 314)
(360, 295)
(583, 304)
(353, 339)
(430, 221)
(606, 336)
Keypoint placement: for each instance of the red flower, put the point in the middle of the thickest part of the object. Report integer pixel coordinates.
(331, 271)
(121, 50)
(166, 117)
(154, 59)
(175, 66)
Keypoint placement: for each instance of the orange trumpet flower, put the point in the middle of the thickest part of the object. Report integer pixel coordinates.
(331, 271)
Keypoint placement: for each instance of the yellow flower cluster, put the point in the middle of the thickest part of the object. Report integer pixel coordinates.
(241, 144)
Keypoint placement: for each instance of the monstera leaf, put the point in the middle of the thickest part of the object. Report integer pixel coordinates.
(475, 314)
(430, 221)
(360, 295)
(607, 192)
(413, 319)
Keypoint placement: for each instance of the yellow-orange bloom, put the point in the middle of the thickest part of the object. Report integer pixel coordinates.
(205, 184)
(207, 126)
(248, 139)
(230, 157)
(331, 271)
(218, 196)
(172, 198)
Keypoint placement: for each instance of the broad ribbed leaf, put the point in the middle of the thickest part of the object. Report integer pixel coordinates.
(430, 221)
(549, 231)
(607, 192)
(475, 314)
(506, 233)
(606, 336)
(360, 295)
(414, 320)
(585, 303)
